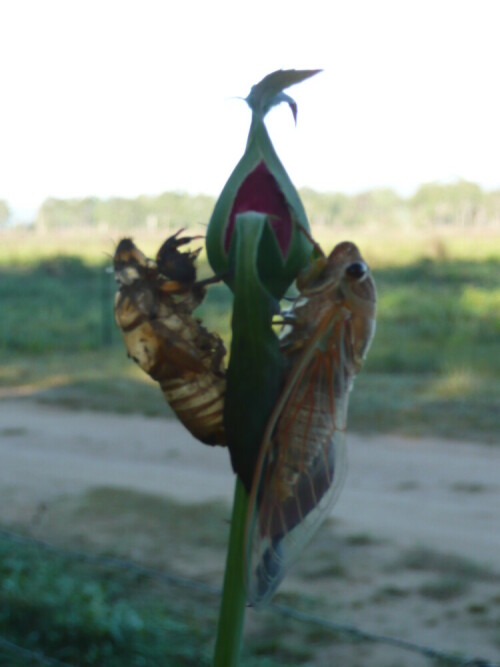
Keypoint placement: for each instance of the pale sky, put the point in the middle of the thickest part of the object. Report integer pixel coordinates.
(125, 98)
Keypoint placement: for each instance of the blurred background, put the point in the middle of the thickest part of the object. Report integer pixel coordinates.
(124, 119)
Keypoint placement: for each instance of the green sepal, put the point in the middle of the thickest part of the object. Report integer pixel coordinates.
(254, 376)
(259, 149)
(269, 91)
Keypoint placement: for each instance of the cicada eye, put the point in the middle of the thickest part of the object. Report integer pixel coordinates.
(356, 270)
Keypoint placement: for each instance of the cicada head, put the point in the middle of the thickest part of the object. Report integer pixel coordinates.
(343, 277)
(129, 262)
(359, 299)
(357, 284)
(325, 273)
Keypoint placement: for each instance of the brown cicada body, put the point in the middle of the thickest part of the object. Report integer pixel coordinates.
(302, 461)
(154, 310)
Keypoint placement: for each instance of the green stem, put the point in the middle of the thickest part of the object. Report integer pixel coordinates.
(233, 604)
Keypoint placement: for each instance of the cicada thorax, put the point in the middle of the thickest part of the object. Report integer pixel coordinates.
(338, 301)
(302, 461)
(154, 310)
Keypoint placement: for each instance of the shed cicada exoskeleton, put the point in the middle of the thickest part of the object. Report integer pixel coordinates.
(154, 311)
(302, 460)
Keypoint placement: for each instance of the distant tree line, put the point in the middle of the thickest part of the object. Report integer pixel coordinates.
(461, 204)
(168, 210)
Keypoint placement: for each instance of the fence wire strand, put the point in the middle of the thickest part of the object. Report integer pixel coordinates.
(123, 564)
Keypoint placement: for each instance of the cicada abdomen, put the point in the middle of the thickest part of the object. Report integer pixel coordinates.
(302, 462)
(154, 311)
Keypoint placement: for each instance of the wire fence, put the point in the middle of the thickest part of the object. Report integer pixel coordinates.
(354, 632)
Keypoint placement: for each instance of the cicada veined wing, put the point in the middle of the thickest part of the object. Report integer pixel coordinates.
(154, 311)
(302, 461)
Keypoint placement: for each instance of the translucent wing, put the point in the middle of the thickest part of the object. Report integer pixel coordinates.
(302, 463)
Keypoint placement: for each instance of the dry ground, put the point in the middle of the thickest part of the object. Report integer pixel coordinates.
(413, 549)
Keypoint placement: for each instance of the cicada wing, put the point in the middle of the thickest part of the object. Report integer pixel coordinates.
(275, 547)
(302, 463)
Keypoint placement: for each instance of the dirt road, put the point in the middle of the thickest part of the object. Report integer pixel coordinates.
(368, 567)
(439, 494)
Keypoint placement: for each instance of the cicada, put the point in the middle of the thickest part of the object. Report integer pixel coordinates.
(302, 460)
(154, 311)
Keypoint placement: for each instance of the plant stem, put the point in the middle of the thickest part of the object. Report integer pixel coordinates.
(233, 604)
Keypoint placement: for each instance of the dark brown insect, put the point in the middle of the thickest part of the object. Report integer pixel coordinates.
(302, 461)
(154, 311)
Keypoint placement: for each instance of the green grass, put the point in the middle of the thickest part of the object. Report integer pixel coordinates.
(86, 613)
(83, 615)
(57, 303)
(381, 247)
(434, 367)
(91, 611)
